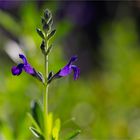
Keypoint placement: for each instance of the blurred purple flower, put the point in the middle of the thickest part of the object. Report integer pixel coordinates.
(17, 70)
(80, 12)
(10, 4)
(66, 70)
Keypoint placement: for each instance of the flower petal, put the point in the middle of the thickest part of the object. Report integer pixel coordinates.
(65, 71)
(23, 59)
(73, 58)
(28, 69)
(76, 71)
(16, 70)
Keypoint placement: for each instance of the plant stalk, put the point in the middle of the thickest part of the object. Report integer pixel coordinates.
(47, 137)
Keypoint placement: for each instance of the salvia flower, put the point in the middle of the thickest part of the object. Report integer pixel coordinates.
(66, 70)
(17, 70)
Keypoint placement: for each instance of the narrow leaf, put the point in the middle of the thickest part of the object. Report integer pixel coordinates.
(50, 123)
(41, 34)
(73, 134)
(42, 47)
(56, 129)
(37, 113)
(34, 123)
(36, 132)
(51, 34)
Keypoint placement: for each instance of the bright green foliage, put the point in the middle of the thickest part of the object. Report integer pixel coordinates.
(56, 129)
(50, 123)
(105, 103)
(73, 135)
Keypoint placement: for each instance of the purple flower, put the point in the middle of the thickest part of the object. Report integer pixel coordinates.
(17, 70)
(66, 70)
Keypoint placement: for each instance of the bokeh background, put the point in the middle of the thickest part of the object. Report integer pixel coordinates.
(105, 101)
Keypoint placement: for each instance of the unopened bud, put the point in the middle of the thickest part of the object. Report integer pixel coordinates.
(46, 27)
(43, 48)
(47, 14)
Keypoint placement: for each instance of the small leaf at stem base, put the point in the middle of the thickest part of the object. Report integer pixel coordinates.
(36, 133)
(73, 134)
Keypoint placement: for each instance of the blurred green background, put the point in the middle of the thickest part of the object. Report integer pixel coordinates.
(105, 101)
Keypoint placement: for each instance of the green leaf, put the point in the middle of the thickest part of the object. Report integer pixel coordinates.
(56, 129)
(50, 123)
(36, 133)
(41, 34)
(73, 134)
(51, 34)
(34, 123)
(49, 49)
(37, 113)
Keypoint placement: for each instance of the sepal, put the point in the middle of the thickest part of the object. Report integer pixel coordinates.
(50, 22)
(49, 49)
(40, 77)
(40, 33)
(43, 48)
(50, 75)
(52, 33)
(46, 27)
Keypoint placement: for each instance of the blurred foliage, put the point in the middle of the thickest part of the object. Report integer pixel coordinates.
(104, 105)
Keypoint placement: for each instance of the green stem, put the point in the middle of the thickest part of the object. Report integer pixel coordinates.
(47, 137)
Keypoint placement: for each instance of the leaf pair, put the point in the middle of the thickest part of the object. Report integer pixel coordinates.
(44, 50)
(42, 34)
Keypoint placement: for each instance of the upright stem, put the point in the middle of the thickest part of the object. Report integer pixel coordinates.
(47, 137)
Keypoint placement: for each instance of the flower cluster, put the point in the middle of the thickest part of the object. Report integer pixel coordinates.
(65, 71)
